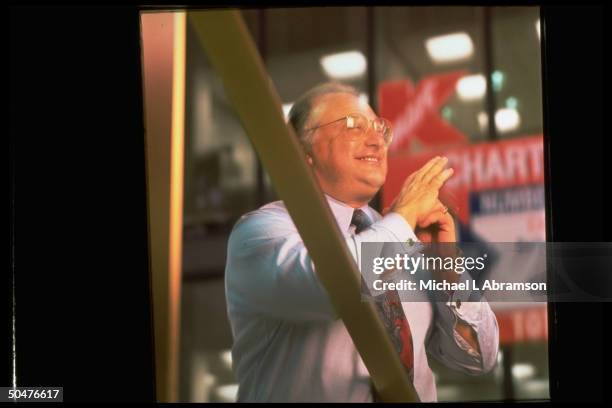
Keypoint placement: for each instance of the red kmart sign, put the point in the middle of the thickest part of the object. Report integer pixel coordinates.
(478, 167)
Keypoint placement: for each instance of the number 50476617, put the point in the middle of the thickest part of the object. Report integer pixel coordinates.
(31, 393)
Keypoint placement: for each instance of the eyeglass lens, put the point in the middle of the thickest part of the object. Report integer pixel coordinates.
(380, 125)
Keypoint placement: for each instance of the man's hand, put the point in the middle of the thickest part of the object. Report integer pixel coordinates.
(418, 203)
(419, 194)
(437, 226)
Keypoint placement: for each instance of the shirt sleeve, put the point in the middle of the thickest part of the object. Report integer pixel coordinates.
(270, 272)
(444, 342)
(450, 348)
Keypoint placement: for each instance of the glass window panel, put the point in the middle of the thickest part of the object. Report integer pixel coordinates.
(220, 185)
(221, 168)
(220, 163)
(297, 40)
(517, 63)
(402, 54)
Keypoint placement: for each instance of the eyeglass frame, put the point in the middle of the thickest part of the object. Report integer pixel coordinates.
(370, 122)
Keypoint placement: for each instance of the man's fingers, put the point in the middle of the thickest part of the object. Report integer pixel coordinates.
(441, 178)
(439, 207)
(433, 217)
(431, 163)
(438, 211)
(424, 235)
(407, 182)
(410, 178)
(434, 170)
(425, 173)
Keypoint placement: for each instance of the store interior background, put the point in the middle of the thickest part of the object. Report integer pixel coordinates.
(224, 179)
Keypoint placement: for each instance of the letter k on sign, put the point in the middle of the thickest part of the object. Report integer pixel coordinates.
(415, 112)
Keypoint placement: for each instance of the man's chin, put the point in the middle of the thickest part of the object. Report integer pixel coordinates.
(370, 188)
(373, 183)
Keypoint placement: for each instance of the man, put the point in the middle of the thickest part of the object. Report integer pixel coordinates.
(289, 344)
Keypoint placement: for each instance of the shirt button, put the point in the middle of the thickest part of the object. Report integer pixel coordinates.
(458, 303)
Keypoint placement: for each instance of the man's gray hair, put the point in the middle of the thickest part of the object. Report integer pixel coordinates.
(301, 109)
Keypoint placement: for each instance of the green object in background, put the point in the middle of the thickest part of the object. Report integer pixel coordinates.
(511, 103)
(497, 78)
(447, 113)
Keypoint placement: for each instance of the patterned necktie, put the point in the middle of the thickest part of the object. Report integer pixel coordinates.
(390, 311)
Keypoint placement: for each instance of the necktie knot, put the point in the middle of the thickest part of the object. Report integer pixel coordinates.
(360, 220)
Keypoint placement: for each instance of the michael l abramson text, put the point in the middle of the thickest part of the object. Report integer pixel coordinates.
(444, 285)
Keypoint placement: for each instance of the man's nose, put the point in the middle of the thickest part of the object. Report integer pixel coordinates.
(374, 138)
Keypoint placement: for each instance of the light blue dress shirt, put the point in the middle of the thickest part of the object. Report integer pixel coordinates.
(288, 343)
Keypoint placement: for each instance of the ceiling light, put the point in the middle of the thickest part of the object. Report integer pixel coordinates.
(363, 99)
(472, 87)
(227, 393)
(226, 357)
(536, 386)
(450, 47)
(483, 121)
(523, 371)
(344, 65)
(507, 120)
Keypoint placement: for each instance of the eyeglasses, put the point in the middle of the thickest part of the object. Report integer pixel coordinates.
(357, 126)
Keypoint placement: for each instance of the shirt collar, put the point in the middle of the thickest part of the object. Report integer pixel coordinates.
(344, 212)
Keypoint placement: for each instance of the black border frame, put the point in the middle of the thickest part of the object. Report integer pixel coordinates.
(573, 85)
(78, 192)
(80, 261)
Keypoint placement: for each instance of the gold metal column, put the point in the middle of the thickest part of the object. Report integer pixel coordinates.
(163, 45)
(234, 56)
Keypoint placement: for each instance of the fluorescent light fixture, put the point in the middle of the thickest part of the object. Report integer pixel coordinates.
(363, 99)
(227, 393)
(507, 120)
(537, 26)
(450, 47)
(483, 121)
(286, 109)
(534, 386)
(522, 371)
(344, 65)
(226, 357)
(472, 87)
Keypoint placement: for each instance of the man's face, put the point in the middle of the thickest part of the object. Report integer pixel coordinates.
(350, 169)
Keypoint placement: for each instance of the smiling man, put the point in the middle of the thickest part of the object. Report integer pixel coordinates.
(289, 344)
